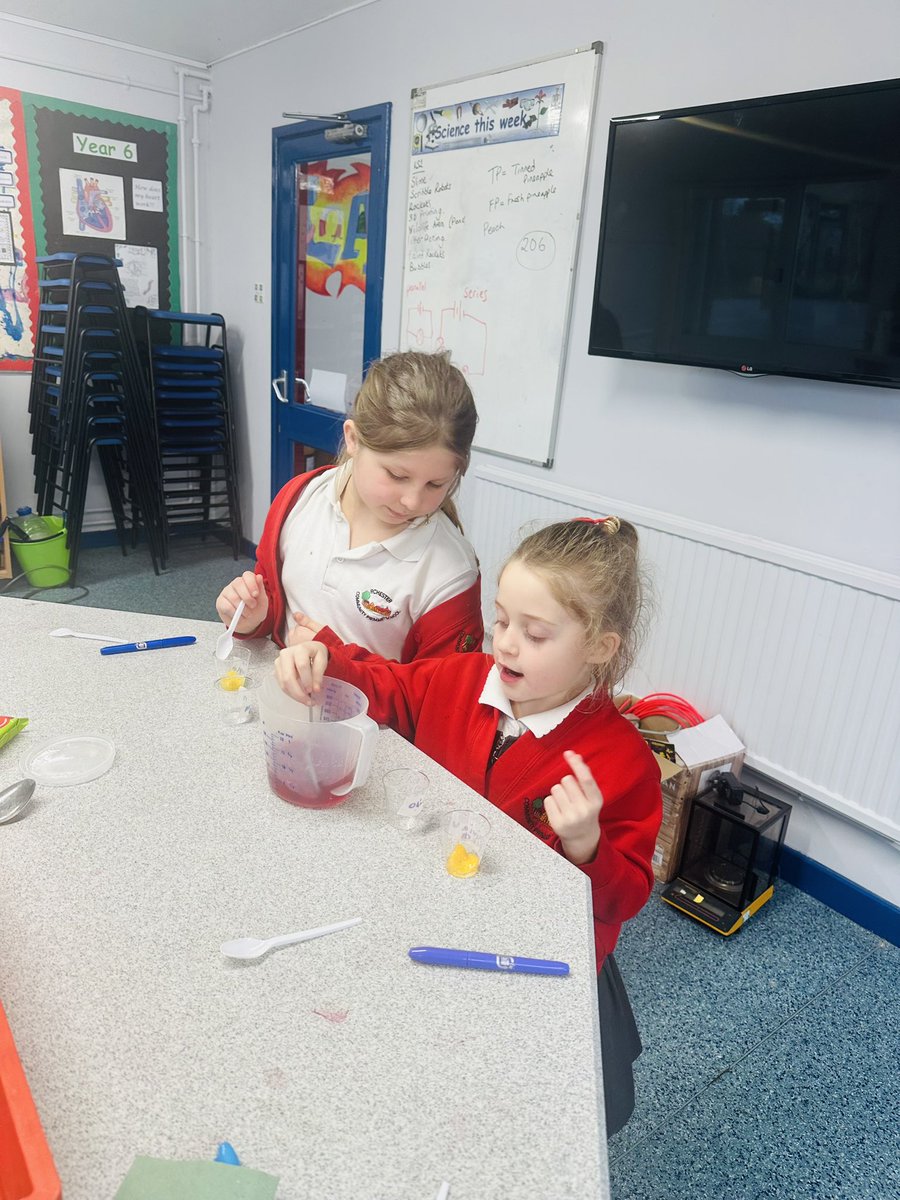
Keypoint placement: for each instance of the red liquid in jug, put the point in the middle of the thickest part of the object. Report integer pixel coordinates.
(318, 798)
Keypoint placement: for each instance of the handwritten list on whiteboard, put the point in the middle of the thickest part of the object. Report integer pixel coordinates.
(496, 181)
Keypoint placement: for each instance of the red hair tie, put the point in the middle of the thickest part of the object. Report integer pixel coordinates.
(613, 523)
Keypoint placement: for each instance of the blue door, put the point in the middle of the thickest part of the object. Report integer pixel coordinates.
(328, 235)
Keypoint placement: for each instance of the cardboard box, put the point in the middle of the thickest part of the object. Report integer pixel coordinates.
(687, 758)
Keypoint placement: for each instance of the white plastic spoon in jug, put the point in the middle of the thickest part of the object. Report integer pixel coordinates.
(255, 947)
(94, 637)
(225, 641)
(15, 799)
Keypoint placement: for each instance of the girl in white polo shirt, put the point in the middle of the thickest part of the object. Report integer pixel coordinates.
(369, 553)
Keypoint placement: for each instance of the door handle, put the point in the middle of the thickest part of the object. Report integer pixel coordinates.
(279, 387)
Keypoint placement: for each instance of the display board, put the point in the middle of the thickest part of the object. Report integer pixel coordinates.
(497, 174)
(18, 275)
(106, 183)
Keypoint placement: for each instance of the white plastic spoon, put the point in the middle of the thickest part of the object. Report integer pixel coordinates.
(225, 641)
(95, 637)
(255, 947)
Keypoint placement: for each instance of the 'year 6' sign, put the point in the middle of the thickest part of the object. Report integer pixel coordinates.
(85, 143)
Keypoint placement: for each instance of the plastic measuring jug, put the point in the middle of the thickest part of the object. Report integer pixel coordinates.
(314, 760)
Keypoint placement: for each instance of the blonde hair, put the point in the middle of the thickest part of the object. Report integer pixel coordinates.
(410, 401)
(592, 570)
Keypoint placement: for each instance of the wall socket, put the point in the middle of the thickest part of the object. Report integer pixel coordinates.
(258, 295)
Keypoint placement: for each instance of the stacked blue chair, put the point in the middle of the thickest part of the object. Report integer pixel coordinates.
(186, 356)
(89, 394)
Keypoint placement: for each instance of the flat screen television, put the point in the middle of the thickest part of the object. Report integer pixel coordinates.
(759, 236)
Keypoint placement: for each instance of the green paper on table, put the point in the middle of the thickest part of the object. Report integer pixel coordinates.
(160, 1179)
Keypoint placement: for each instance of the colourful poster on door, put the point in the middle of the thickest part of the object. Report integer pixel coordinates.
(18, 292)
(336, 241)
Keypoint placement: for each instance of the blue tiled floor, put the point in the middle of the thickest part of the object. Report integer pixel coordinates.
(196, 574)
(771, 1058)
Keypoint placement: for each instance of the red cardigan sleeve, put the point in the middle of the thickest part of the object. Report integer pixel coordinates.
(395, 691)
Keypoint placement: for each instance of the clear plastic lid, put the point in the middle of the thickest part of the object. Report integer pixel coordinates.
(76, 758)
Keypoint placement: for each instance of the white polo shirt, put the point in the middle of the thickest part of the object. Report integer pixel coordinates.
(371, 595)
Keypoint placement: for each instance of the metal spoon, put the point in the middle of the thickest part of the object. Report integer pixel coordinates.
(15, 799)
(225, 641)
(255, 947)
(95, 637)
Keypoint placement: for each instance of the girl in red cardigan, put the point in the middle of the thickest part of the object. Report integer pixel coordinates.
(533, 728)
(372, 551)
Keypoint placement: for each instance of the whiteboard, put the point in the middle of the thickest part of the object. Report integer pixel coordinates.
(497, 174)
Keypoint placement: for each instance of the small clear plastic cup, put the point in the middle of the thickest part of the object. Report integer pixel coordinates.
(406, 798)
(233, 687)
(464, 835)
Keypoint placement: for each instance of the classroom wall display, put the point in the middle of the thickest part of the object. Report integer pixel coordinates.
(17, 267)
(106, 183)
(497, 175)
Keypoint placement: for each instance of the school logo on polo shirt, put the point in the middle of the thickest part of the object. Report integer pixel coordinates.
(376, 605)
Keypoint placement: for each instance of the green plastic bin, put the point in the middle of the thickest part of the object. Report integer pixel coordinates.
(45, 561)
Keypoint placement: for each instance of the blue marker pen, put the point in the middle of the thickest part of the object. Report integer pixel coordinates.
(128, 647)
(436, 956)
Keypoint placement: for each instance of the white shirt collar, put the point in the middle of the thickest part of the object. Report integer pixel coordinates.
(540, 723)
(407, 546)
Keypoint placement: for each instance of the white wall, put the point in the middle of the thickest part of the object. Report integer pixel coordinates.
(802, 463)
(133, 83)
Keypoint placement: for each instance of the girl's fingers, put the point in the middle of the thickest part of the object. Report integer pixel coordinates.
(246, 587)
(299, 671)
(287, 676)
(583, 775)
(255, 585)
(574, 803)
(306, 622)
(304, 630)
(561, 804)
(319, 663)
(567, 792)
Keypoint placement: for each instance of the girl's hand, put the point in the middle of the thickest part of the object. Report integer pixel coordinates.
(299, 671)
(304, 631)
(249, 588)
(573, 810)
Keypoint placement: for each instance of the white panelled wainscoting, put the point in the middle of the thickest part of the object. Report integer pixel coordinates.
(799, 653)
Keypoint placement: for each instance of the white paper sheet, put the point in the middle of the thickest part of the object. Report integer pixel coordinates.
(702, 743)
(328, 389)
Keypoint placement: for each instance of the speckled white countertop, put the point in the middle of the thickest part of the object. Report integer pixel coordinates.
(338, 1065)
